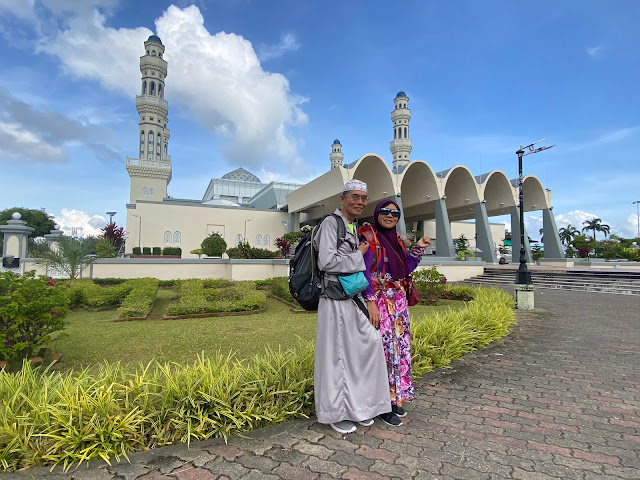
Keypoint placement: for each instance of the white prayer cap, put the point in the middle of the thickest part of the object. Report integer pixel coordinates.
(355, 185)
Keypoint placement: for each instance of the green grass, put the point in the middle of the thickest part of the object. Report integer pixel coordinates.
(91, 338)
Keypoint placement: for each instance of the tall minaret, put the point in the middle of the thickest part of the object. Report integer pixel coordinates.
(336, 155)
(401, 144)
(151, 172)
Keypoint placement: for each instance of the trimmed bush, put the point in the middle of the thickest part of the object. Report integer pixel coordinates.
(109, 281)
(136, 251)
(146, 250)
(278, 287)
(244, 250)
(430, 283)
(156, 251)
(142, 295)
(172, 251)
(30, 310)
(104, 249)
(216, 296)
(213, 246)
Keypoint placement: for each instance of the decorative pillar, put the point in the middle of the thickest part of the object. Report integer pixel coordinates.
(293, 224)
(552, 244)
(401, 226)
(444, 240)
(15, 234)
(484, 240)
(52, 237)
(515, 238)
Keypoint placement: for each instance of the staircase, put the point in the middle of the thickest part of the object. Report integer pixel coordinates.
(621, 283)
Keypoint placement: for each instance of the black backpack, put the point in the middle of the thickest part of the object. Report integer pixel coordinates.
(305, 280)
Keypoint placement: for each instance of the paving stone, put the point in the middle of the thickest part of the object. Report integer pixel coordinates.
(191, 472)
(164, 464)
(314, 449)
(289, 472)
(92, 474)
(323, 466)
(232, 469)
(280, 454)
(128, 471)
(257, 462)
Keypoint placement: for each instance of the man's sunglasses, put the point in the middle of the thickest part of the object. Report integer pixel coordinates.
(387, 211)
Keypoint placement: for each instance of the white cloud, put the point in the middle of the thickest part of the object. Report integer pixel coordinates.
(288, 43)
(18, 143)
(217, 78)
(71, 219)
(596, 52)
(23, 9)
(613, 136)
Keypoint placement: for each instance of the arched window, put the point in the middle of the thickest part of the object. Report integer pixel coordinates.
(238, 239)
(150, 147)
(167, 238)
(258, 240)
(405, 132)
(151, 136)
(145, 191)
(177, 238)
(150, 155)
(142, 136)
(152, 88)
(153, 52)
(144, 87)
(151, 192)
(160, 90)
(395, 133)
(147, 54)
(265, 241)
(165, 148)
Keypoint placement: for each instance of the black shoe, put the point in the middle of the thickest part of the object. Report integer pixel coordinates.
(391, 419)
(399, 411)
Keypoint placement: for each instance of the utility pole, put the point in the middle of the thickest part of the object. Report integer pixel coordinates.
(111, 214)
(636, 203)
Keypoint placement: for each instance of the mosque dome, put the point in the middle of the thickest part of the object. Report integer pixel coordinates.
(241, 175)
(154, 38)
(401, 94)
(336, 142)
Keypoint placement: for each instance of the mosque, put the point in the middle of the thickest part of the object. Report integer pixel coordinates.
(239, 207)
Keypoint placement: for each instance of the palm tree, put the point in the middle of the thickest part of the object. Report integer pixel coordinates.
(596, 225)
(70, 256)
(567, 233)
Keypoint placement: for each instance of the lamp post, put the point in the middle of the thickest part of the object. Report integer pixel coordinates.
(139, 227)
(111, 214)
(636, 203)
(245, 229)
(284, 224)
(523, 275)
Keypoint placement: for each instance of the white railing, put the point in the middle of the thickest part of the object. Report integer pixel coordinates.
(150, 163)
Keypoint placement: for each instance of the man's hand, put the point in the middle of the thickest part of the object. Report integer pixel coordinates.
(374, 314)
(363, 247)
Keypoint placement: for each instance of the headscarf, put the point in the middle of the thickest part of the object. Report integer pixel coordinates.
(388, 239)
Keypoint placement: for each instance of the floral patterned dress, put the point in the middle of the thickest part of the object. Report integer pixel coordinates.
(395, 329)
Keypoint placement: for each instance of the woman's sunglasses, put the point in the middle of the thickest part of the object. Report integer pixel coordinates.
(387, 211)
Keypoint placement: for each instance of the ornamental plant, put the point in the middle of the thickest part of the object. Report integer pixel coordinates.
(283, 245)
(213, 246)
(104, 249)
(114, 235)
(31, 309)
(430, 283)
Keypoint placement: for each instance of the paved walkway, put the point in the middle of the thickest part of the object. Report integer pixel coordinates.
(560, 398)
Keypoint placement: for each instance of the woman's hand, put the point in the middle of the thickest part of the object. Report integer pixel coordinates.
(363, 247)
(374, 314)
(424, 242)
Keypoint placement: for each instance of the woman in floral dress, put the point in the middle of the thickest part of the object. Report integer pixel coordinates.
(388, 263)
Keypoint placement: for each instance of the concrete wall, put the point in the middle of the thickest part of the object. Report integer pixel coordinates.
(466, 228)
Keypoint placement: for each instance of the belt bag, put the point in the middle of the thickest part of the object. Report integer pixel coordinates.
(354, 283)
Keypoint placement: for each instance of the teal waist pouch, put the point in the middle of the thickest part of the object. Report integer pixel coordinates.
(353, 283)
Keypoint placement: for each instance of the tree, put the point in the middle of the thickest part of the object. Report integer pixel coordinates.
(462, 243)
(567, 233)
(36, 219)
(213, 246)
(596, 225)
(71, 255)
(114, 234)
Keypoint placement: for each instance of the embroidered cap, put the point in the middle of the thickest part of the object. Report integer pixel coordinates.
(355, 185)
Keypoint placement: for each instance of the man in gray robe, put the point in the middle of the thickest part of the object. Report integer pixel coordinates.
(350, 373)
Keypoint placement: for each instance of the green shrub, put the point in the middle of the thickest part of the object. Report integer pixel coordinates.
(466, 254)
(156, 251)
(141, 296)
(279, 287)
(430, 283)
(244, 250)
(104, 249)
(167, 283)
(136, 251)
(146, 250)
(216, 296)
(172, 251)
(630, 254)
(213, 246)
(30, 310)
(109, 281)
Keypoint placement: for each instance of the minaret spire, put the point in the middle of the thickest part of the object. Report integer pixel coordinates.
(401, 144)
(336, 156)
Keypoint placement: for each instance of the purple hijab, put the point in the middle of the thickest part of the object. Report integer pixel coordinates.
(388, 238)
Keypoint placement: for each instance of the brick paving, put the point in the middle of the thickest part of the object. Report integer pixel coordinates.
(559, 398)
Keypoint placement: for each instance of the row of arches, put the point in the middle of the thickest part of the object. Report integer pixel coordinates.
(172, 239)
(261, 241)
(148, 192)
(152, 88)
(401, 132)
(150, 148)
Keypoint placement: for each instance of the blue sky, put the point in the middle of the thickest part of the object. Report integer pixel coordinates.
(270, 85)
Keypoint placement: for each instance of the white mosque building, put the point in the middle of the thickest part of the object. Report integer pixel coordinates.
(239, 207)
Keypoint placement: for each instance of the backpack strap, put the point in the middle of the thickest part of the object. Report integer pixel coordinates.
(368, 233)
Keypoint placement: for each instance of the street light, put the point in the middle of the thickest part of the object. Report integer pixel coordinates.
(245, 229)
(139, 227)
(284, 224)
(523, 275)
(111, 214)
(636, 203)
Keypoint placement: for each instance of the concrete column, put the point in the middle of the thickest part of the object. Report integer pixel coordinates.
(420, 226)
(52, 237)
(401, 226)
(293, 224)
(515, 238)
(444, 240)
(552, 244)
(484, 240)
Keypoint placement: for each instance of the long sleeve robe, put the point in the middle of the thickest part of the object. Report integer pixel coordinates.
(350, 381)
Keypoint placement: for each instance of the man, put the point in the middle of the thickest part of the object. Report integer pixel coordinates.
(350, 380)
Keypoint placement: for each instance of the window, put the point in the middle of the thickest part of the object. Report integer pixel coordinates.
(145, 192)
(258, 240)
(151, 136)
(160, 90)
(144, 87)
(150, 147)
(150, 155)
(167, 238)
(151, 192)
(177, 238)
(238, 239)
(152, 88)
(405, 132)
(142, 135)
(165, 148)
(265, 241)
(153, 52)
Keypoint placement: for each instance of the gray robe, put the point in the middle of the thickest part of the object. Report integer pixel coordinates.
(350, 372)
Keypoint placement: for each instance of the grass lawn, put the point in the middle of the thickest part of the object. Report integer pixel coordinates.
(92, 337)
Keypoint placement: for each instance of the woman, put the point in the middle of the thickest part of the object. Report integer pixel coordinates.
(388, 263)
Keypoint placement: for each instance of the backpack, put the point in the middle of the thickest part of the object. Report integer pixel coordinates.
(368, 232)
(305, 280)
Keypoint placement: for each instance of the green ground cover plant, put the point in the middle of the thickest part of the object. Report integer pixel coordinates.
(209, 296)
(71, 416)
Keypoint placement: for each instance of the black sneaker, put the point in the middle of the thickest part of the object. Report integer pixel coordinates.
(399, 411)
(391, 419)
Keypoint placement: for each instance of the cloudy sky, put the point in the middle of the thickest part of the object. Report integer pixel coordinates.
(270, 85)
